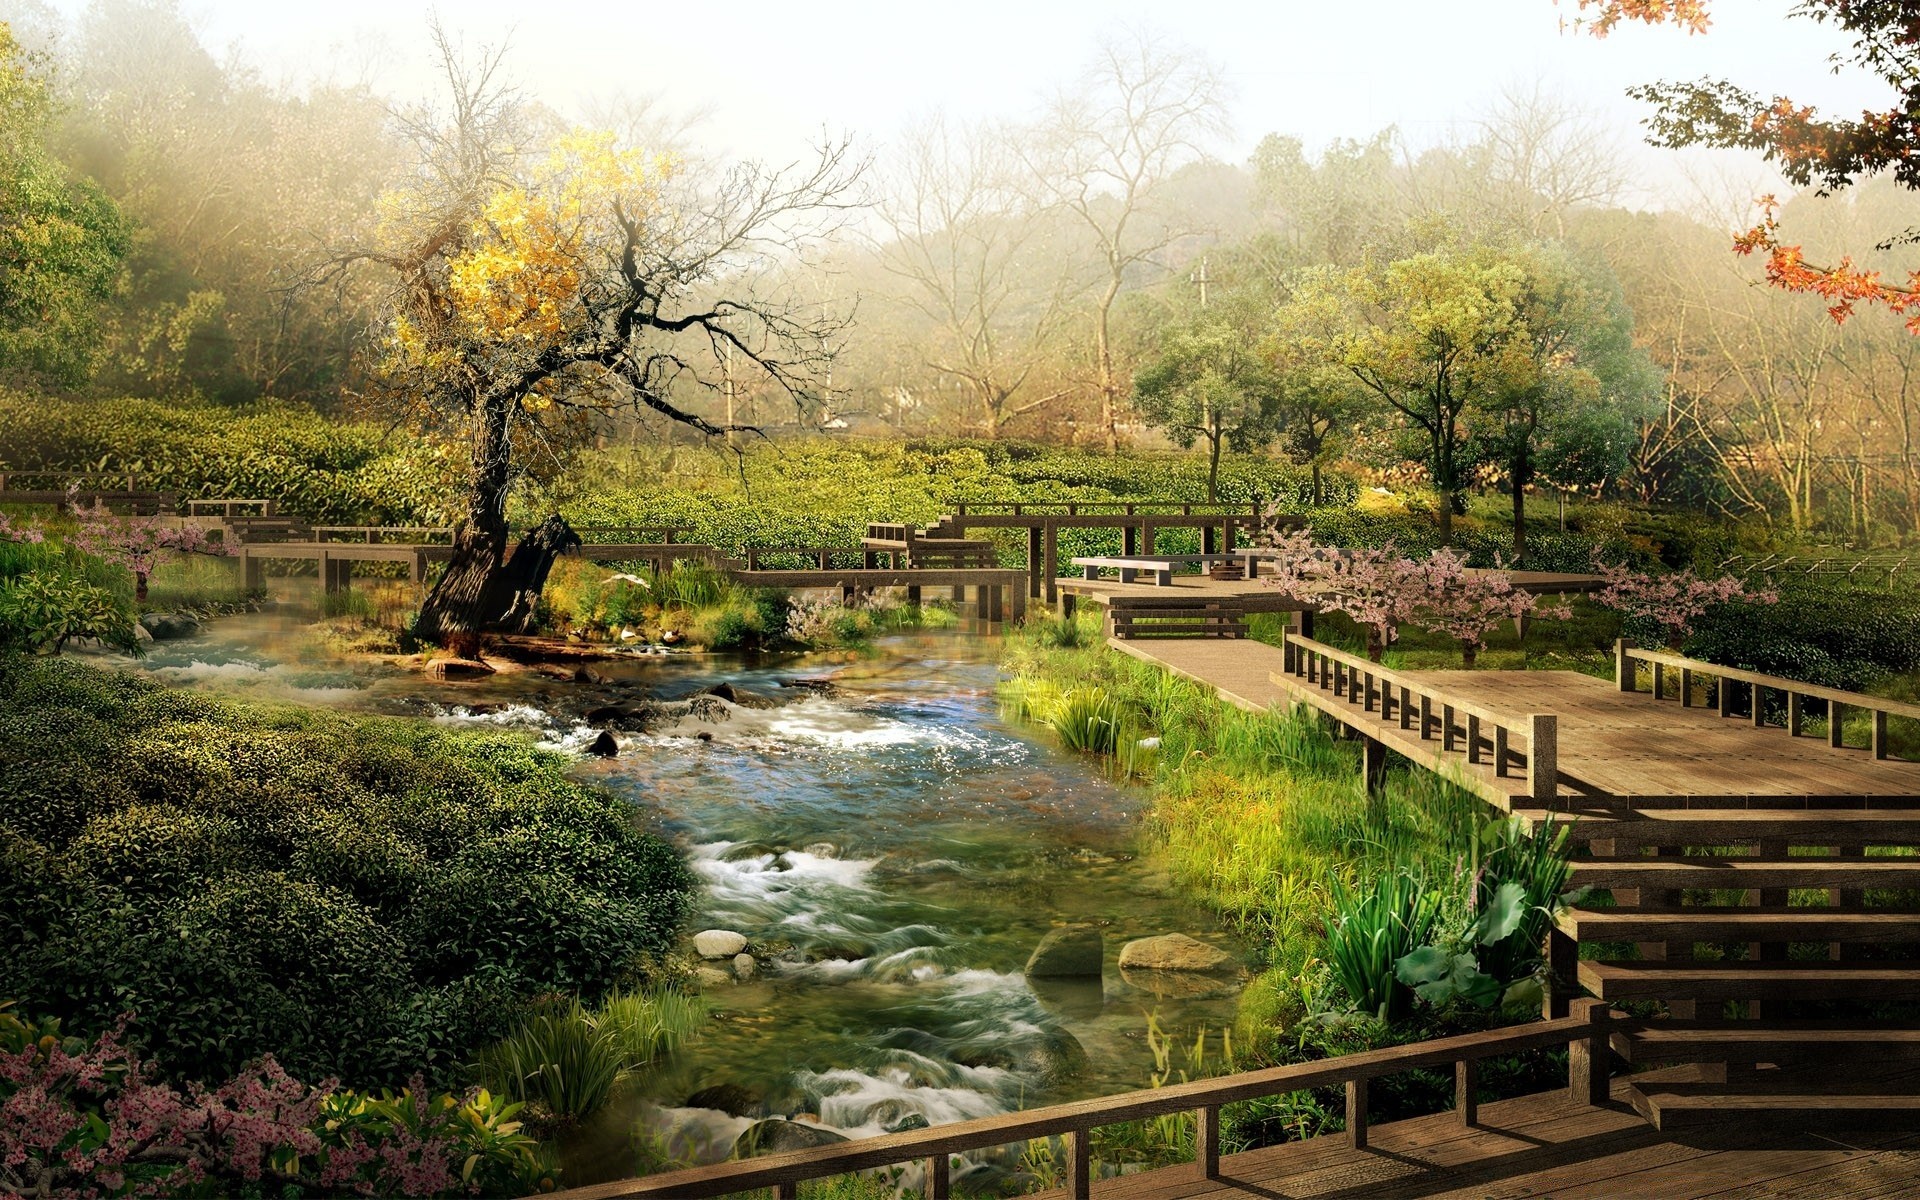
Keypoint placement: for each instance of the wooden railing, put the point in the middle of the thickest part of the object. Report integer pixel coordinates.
(1585, 1031)
(1075, 508)
(374, 535)
(1435, 713)
(821, 556)
(1628, 657)
(229, 508)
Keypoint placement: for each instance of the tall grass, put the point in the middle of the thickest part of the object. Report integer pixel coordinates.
(566, 1058)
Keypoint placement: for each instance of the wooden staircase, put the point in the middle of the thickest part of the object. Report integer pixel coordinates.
(1723, 931)
(939, 546)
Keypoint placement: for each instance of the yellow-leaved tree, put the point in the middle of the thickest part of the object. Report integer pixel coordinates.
(534, 292)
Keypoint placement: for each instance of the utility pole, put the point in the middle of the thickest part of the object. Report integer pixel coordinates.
(1200, 277)
(726, 374)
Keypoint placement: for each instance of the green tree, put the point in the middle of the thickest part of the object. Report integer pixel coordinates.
(1318, 399)
(1570, 388)
(62, 241)
(1427, 334)
(1208, 385)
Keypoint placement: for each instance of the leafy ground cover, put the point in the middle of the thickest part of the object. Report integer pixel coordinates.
(365, 899)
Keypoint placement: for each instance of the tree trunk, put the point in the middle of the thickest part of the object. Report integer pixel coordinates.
(1522, 474)
(1469, 654)
(1446, 516)
(1103, 344)
(515, 589)
(1213, 469)
(456, 607)
(140, 587)
(1376, 644)
(1317, 492)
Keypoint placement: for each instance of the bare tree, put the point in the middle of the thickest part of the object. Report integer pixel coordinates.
(962, 240)
(1103, 155)
(607, 291)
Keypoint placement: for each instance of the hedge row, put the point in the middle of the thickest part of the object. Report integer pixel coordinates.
(364, 898)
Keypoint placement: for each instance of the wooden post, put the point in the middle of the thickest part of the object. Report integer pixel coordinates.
(1050, 554)
(1563, 969)
(1446, 727)
(1209, 541)
(1206, 1141)
(1686, 687)
(1357, 1113)
(1795, 717)
(1129, 541)
(1500, 750)
(1034, 583)
(1146, 537)
(1659, 681)
(1426, 716)
(1759, 706)
(939, 1178)
(1879, 742)
(787, 1191)
(1836, 729)
(1587, 1055)
(1080, 1164)
(1473, 737)
(1543, 757)
(1406, 707)
(1373, 762)
(1466, 1079)
(1623, 668)
(1723, 697)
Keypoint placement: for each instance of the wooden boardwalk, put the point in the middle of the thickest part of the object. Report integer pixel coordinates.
(1541, 1146)
(1614, 747)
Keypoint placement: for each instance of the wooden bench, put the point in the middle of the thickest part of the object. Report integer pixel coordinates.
(1131, 617)
(1129, 568)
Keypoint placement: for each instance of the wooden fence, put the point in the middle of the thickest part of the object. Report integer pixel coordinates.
(1416, 704)
(1585, 1031)
(1628, 658)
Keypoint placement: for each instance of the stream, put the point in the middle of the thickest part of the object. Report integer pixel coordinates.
(892, 849)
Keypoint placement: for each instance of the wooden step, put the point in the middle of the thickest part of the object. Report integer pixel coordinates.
(1666, 1110)
(1685, 979)
(1744, 924)
(1824, 827)
(1700, 871)
(1762, 1041)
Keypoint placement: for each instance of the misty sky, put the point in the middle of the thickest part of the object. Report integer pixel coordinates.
(773, 75)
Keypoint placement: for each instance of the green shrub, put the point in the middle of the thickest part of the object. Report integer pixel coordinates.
(363, 897)
(1373, 928)
(42, 611)
(566, 1058)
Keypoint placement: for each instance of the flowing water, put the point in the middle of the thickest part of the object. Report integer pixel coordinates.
(892, 848)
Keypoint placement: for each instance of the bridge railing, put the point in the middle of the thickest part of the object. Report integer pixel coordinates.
(1585, 1031)
(822, 557)
(376, 535)
(228, 507)
(1628, 659)
(1437, 714)
(1075, 508)
(604, 535)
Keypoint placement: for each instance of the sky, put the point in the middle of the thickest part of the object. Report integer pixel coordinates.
(771, 77)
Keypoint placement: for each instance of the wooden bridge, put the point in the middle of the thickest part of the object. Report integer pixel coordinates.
(1758, 875)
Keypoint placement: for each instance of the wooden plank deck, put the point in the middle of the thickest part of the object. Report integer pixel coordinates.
(1551, 1146)
(1612, 744)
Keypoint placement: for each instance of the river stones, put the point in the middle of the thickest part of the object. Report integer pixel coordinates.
(729, 1098)
(455, 669)
(776, 1135)
(1072, 950)
(744, 968)
(604, 746)
(1174, 952)
(715, 944)
(166, 627)
(740, 696)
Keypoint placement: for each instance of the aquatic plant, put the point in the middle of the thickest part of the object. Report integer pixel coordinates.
(1373, 928)
(565, 1058)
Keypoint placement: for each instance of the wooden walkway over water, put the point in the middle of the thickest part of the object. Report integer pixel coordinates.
(1541, 1146)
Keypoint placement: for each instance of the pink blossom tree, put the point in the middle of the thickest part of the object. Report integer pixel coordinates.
(1673, 600)
(1383, 589)
(139, 543)
(27, 534)
(1466, 604)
